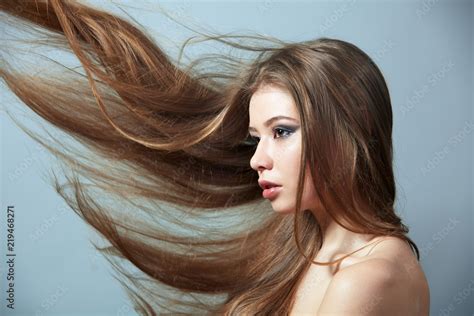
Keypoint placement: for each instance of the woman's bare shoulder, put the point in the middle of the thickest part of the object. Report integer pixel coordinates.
(399, 252)
(391, 261)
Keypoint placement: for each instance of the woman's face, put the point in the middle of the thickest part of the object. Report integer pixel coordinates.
(275, 126)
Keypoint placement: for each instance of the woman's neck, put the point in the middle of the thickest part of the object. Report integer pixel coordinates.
(337, 239)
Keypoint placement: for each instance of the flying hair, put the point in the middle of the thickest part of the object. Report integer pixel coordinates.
(163, 175)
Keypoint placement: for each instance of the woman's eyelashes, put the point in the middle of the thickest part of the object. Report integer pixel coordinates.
(283, 131)
(278, 132)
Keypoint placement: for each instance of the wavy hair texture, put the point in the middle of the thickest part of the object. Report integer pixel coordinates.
(169, 142)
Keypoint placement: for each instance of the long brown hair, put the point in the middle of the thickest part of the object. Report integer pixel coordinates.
(171, 145)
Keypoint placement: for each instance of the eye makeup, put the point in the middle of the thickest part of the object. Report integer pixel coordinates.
(282, 130)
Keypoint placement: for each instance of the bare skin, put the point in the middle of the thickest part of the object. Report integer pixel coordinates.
(382, 279)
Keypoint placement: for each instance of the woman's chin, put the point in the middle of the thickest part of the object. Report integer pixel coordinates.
(282, 210)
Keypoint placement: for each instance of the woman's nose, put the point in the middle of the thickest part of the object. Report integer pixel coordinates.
(261, 159)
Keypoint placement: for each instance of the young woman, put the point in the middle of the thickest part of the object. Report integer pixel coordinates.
(381, 277)
(303, 127)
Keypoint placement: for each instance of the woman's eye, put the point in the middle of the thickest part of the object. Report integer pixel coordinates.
(278, 132)
(281, 132)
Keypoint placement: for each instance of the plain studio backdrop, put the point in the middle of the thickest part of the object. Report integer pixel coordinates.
(423, 48)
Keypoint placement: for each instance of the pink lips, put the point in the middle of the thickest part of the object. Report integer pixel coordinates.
(271, 193)
(270, 189)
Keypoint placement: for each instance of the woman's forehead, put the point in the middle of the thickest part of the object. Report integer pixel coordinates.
(269, 101)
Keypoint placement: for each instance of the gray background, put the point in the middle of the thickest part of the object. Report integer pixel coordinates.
(424, 48)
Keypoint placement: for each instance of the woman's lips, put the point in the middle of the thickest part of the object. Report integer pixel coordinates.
(271, 192)
(270, 189)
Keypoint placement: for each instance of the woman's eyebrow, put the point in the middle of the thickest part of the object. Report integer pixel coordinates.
(271, 120)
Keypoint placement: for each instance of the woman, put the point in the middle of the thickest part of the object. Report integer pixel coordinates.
(201, 146)
(393, 282)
